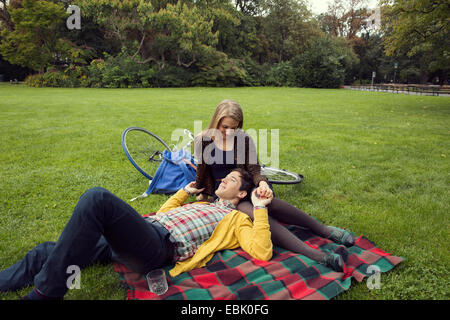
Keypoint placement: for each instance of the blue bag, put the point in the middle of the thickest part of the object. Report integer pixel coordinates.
(176, 170)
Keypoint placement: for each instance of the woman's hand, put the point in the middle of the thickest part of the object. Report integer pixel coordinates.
(263, 190)
(260, 201)
(191, 189)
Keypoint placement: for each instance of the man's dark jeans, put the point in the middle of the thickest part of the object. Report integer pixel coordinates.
(103, 228)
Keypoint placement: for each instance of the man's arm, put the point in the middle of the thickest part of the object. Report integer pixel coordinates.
(179, 198)
(255, 239)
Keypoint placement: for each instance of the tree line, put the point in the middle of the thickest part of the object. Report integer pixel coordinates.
(179, 43)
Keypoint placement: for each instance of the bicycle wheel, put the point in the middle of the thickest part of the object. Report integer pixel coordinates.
(144, 149)
(280, 176)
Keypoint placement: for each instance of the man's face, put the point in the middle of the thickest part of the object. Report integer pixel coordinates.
(229, 187)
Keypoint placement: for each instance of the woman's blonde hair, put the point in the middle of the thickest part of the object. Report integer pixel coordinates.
(226, 108)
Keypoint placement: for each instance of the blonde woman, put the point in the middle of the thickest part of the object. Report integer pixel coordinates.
(224, 146)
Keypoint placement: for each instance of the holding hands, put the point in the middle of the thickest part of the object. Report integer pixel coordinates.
(261, 201)
(263, 190)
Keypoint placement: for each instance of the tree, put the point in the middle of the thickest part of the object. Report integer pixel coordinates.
(121, 22)
(249, 7)
(35, 39)
(287, 26)
(419, 28)
(236, 31)
(175, 34)
(183, 32)
(345, 18)
(5, 17)
(370, 53)
(324, 63)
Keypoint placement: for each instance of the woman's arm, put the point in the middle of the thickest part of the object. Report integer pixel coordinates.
(251, 162)
(254, 168)
(203, 177)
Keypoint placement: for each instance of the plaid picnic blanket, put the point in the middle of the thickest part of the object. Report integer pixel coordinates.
(234, 274)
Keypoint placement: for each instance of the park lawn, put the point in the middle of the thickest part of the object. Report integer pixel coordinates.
(374, 163)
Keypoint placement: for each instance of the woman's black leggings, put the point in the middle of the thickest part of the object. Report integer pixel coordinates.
(281, 211)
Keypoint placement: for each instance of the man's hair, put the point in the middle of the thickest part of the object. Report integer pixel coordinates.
(246, 180)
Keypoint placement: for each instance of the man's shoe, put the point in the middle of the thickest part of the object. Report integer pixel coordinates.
(341, 236)
(36, 295)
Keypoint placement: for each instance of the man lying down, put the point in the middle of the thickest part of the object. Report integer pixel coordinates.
(104, 228)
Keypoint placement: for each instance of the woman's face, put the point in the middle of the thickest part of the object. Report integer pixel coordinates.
(227, 126)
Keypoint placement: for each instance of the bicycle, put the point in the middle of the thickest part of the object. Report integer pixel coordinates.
(144, 150)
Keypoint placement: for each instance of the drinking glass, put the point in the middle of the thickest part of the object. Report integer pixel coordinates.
(157, 282)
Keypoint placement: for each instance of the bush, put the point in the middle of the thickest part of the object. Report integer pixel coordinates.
(216, 69)
(73, 76)
(281, 75)
(255, 73)
(410, 74)
(95, 71)
(34, 80)
(116, 72)
(122, 72)
(323, 64)
(55, 78)
(170, 76)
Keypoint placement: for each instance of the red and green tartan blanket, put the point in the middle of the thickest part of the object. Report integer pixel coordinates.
(235, 275)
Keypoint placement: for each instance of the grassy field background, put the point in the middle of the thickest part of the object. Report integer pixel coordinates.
(374, 163)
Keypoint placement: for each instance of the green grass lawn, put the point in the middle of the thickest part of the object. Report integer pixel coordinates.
(374, 163)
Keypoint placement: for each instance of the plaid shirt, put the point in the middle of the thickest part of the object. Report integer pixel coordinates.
(192, 224)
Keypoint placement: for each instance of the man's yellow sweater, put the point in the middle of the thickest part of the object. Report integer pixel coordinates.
(236, 229)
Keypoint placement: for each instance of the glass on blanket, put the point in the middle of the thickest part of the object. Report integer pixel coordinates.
(157, 282)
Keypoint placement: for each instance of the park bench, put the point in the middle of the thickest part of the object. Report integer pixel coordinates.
(434, 90)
